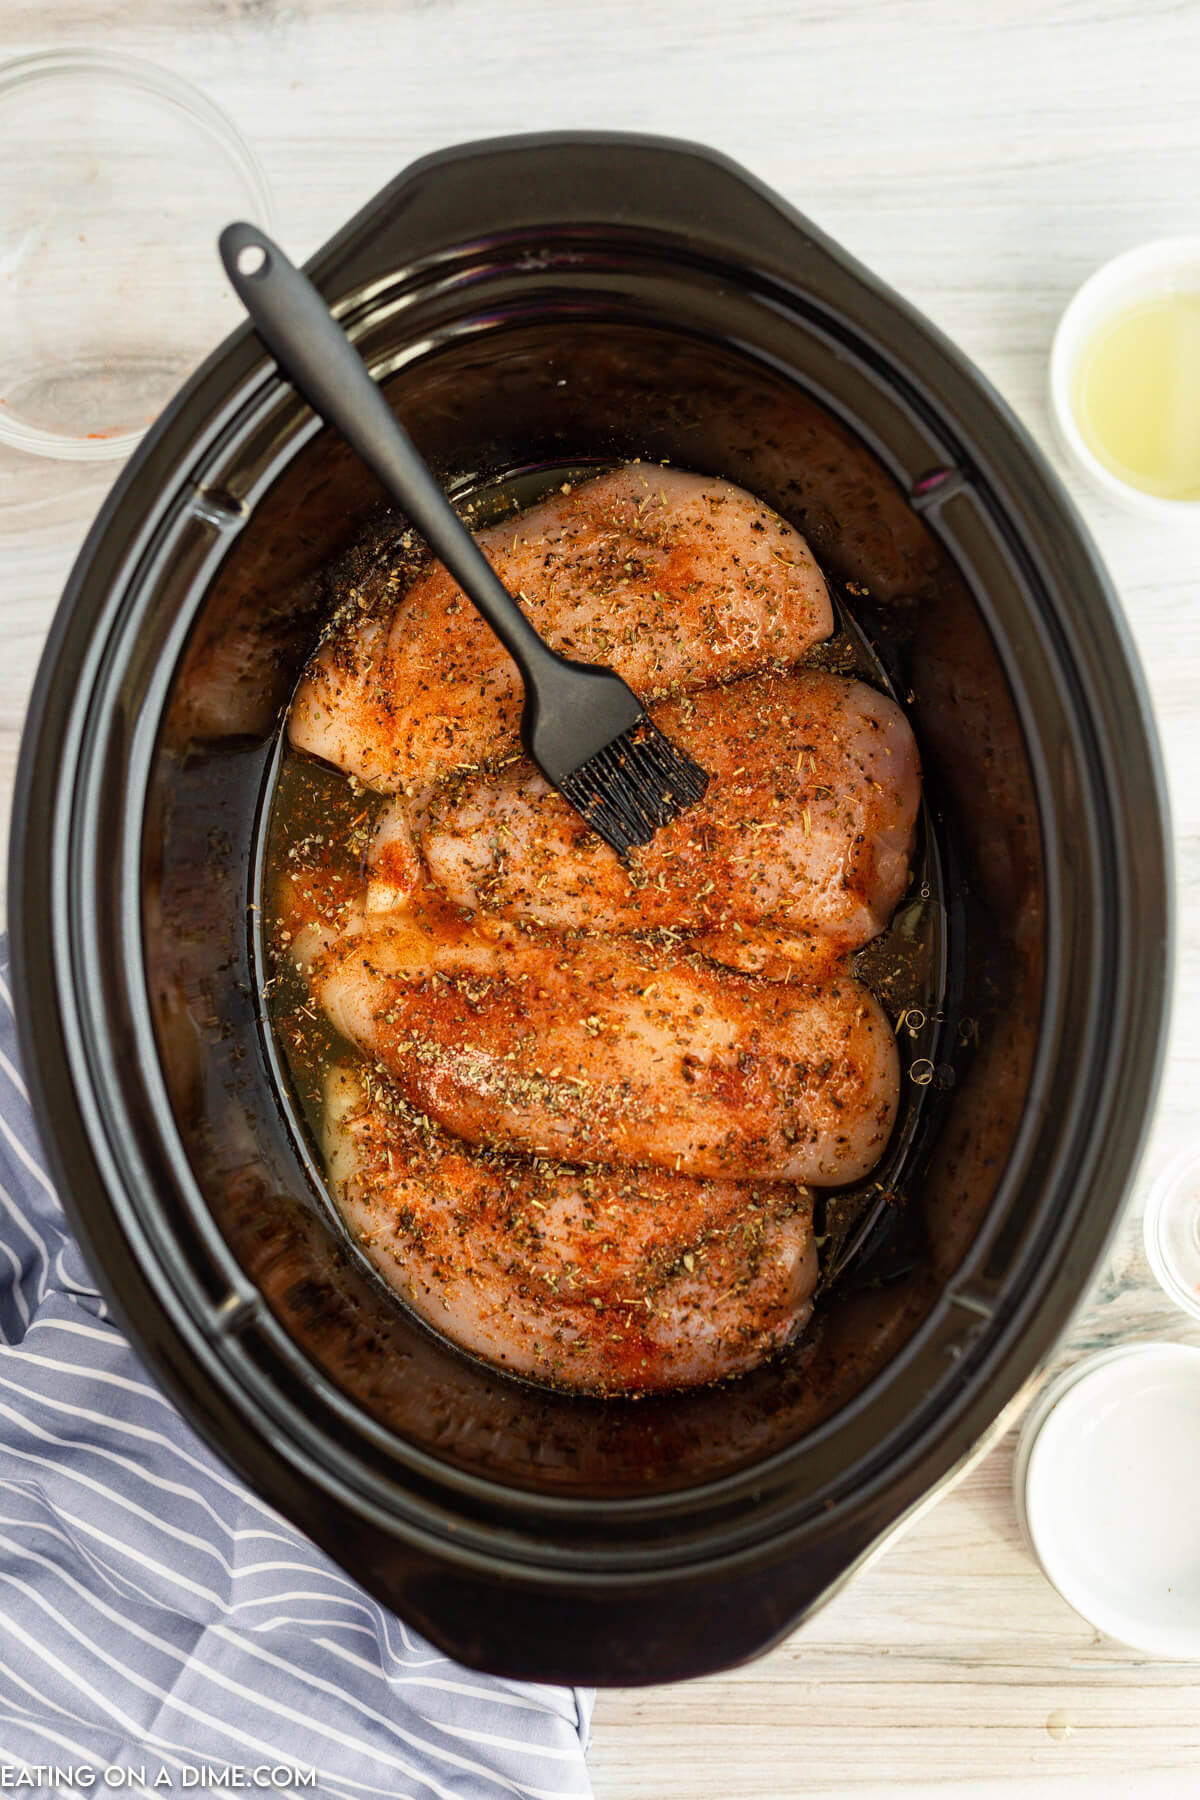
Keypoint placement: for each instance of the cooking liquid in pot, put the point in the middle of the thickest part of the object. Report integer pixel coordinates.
(321, 825)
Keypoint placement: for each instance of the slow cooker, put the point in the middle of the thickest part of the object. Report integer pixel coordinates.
(530, 304)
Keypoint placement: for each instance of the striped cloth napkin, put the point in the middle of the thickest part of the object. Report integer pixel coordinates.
(161, 1629)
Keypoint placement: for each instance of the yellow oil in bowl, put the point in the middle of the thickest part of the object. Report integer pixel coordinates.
(1136, 396)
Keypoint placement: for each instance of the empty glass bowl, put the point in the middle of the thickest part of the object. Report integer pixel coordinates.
(1172, 1230)
(115, 178)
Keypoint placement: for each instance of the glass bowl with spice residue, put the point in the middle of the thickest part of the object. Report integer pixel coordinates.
(115, 178)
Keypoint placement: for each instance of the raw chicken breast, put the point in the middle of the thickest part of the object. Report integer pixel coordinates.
(313, 908)
(612, 1050)
(609, 1280)
(797, 855)
(674, 580)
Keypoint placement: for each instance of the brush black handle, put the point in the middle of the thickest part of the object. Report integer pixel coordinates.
(310, 346)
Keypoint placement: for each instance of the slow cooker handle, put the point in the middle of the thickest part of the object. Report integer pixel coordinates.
(501, 195)
(623, 1633)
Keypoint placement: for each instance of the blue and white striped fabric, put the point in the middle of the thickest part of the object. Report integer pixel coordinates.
(156, 1619)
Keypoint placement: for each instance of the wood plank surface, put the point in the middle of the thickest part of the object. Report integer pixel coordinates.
(983, 160)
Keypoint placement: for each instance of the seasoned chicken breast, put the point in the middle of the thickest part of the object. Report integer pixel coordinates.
(674, 580)
(796, 856)
(611, 1050)
(609, 1280)
(581, 1103)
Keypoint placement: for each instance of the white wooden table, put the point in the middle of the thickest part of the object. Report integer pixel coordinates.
(982, 159)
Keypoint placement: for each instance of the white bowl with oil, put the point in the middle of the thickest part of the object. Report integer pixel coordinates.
(1125, 378)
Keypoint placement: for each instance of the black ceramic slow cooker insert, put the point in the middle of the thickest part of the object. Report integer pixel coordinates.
(531, 304)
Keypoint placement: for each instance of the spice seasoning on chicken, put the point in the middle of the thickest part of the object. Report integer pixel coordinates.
(573, 1108)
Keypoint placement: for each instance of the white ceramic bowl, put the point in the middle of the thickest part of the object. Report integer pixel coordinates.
(1106, 1479)
(1170, 265)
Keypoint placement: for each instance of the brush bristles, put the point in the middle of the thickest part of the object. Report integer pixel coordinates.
(634, 786)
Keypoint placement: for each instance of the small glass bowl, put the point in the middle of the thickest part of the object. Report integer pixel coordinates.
(115, 179)
(1172, 1230)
